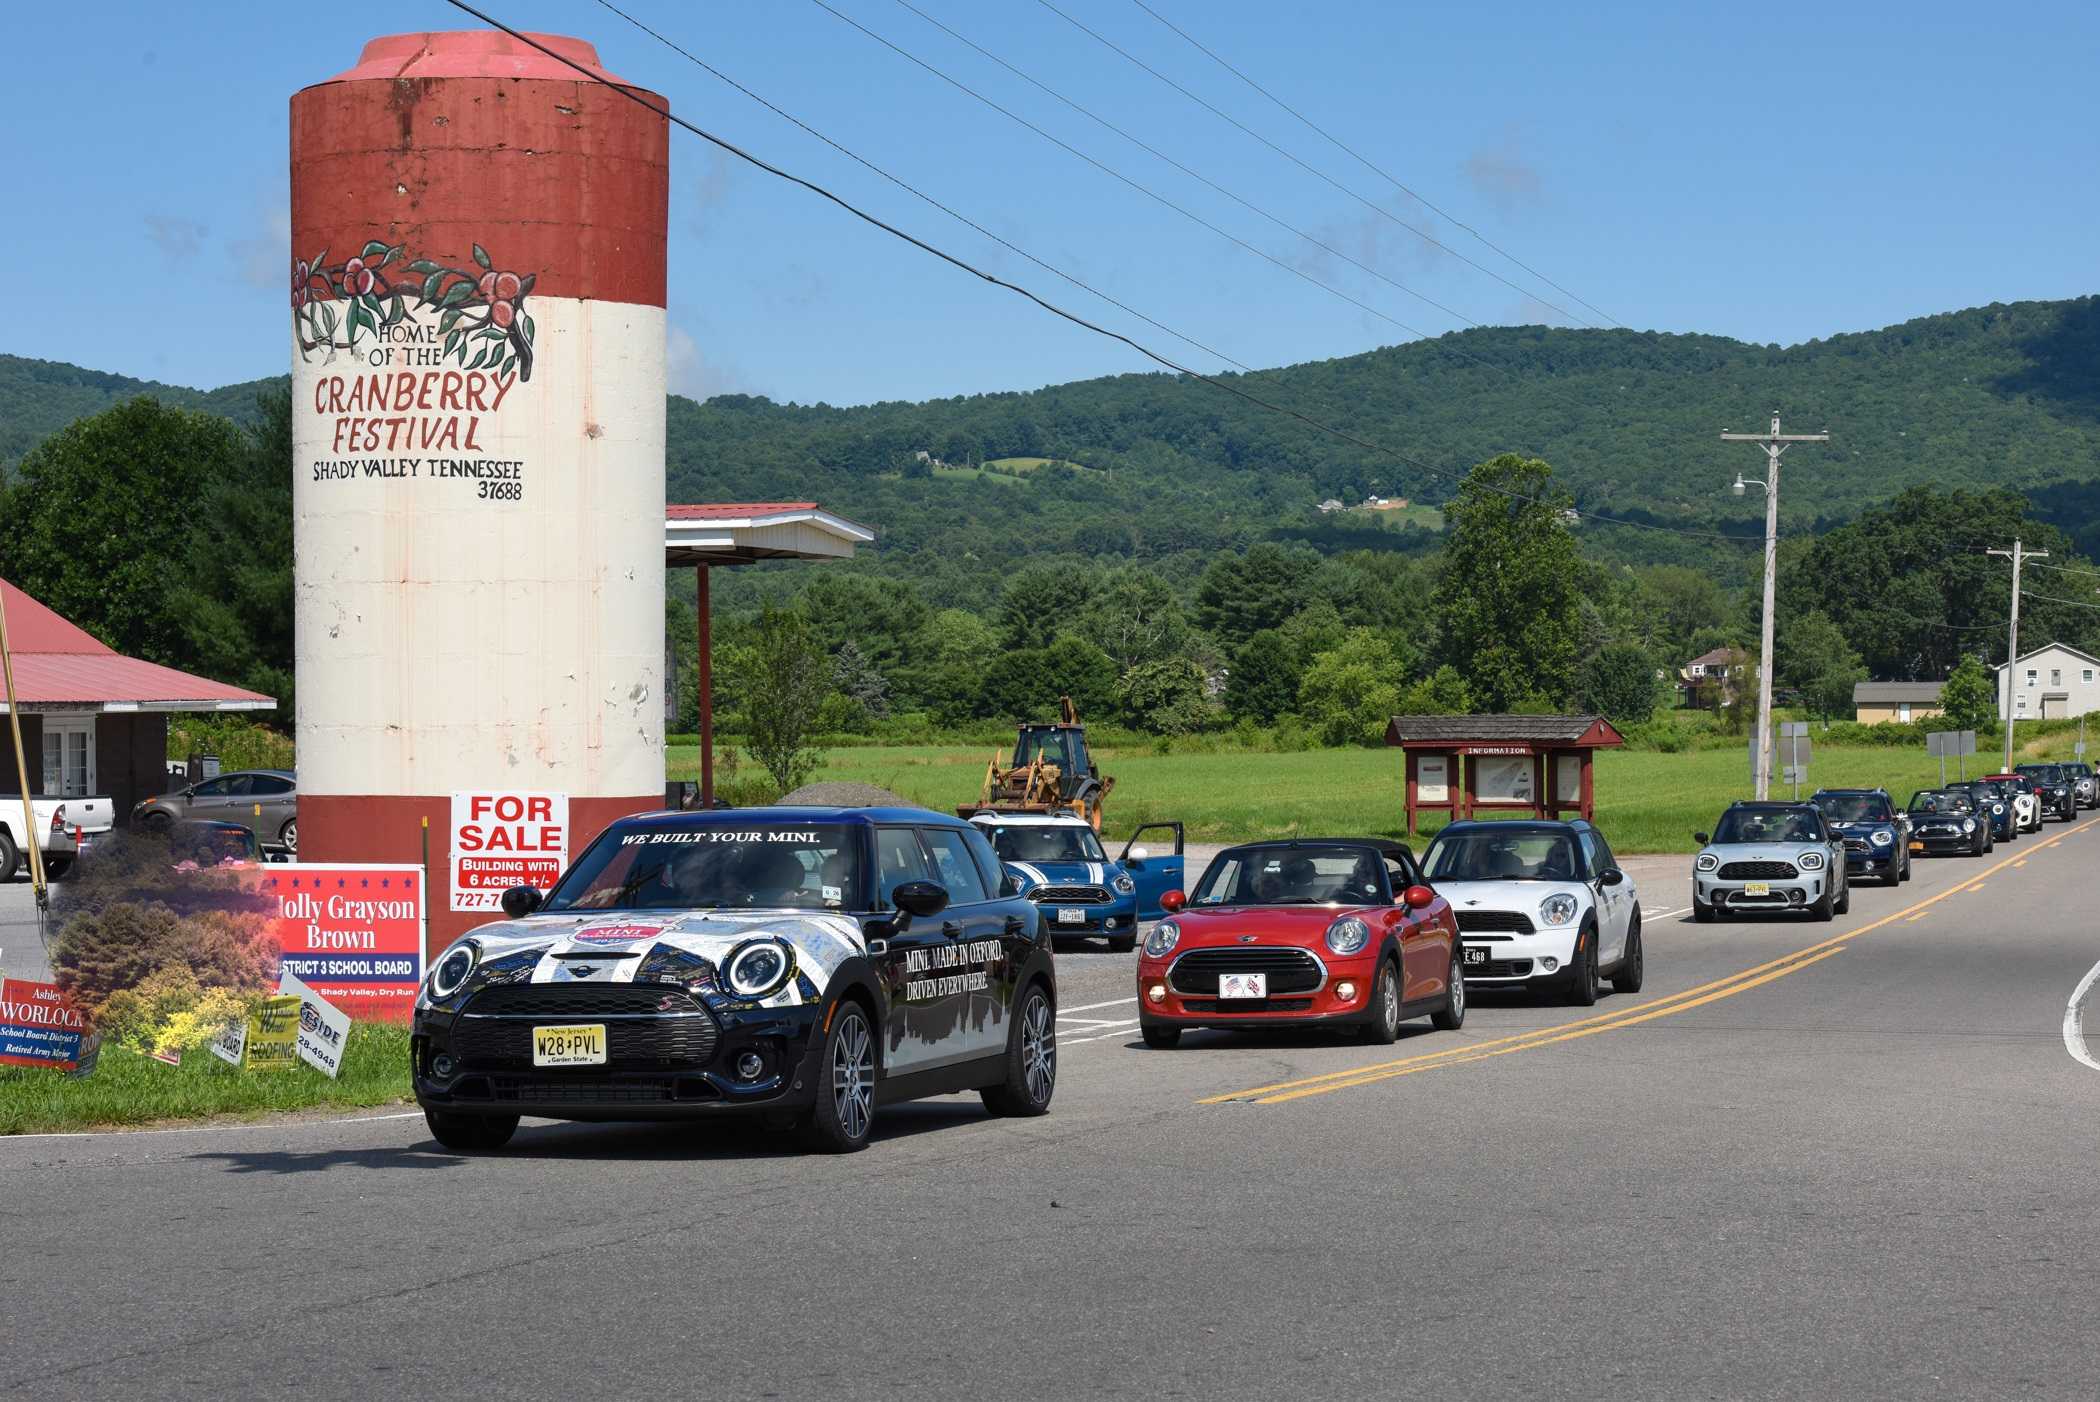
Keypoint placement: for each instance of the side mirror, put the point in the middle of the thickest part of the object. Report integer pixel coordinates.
(1415, 897)
(1701, 838)
(190, 792)
(1611, 876)
(1172, 902)
(521, 901)
(920, 899)
(1136, 856)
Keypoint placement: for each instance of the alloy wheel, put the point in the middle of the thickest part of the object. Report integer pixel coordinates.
(853, 1076)
(1458, 989)
(1389, 1009)
(1039, 1050)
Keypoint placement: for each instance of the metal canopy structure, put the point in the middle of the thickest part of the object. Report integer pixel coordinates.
(705, 537)
(1539, 764)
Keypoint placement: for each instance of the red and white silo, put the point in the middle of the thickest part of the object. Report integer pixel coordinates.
(478, 241)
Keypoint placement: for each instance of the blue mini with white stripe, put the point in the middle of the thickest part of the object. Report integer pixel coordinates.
(1056, 860)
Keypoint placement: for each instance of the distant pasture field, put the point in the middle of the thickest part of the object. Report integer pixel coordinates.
(1646, 802)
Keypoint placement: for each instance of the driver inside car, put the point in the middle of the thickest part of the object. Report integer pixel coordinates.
(772, 876)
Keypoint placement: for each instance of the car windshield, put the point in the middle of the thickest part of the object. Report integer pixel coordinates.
(1768, 825)
(766, 866)
(1297, 874)
(1941, 801)
(1045, 842)
(1856, 807)
(1501, 856)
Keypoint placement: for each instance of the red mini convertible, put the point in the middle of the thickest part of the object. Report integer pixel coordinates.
(1329, 930)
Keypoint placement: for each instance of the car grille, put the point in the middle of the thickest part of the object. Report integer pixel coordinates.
(645, 1028)
(1499, 968)
(547, 1001)
(632, 1090)
(1246, 1005)
(1080, 895)
(1504, 922)
(1758, 871)
(1857, 844)
(1290, 970)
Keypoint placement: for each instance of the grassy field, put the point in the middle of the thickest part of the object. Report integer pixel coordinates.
(126, 1088)
(1646, 802)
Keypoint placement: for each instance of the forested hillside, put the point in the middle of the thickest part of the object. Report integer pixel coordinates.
(1170, 470)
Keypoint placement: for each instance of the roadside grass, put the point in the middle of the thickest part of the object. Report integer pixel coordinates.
(1646, 801)
(127, 1088)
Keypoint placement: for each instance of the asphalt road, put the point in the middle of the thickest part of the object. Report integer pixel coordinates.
(1850, 1160)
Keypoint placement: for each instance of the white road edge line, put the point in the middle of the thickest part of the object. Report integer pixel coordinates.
(1123, 1031)
(1666, 914)
(1089, 1007)
(207, 1129)
(2074, 1031)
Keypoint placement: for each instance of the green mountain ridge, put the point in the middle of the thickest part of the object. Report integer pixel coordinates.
(2007, 394)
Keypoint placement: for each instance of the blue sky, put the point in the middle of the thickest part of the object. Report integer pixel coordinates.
(1776, 173)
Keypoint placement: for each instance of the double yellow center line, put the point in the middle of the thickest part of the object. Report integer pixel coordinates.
(1742, 982)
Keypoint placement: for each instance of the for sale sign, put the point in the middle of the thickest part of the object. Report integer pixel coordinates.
(39, 1027)
(353, 933)
(505, 839)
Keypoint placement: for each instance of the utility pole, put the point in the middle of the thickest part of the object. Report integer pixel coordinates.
(1774, 443)
(2019, 557)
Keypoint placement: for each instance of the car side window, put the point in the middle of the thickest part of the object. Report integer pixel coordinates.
(212, 788)
(1601, 858)
(898, 858)
(955, 868)
(987, 860)
(270, 784)
(1401, 873)
(238, 785)
(1590, 860)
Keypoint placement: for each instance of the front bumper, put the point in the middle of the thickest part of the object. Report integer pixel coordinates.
(1510, 960)
(1324, 1003)
(1780, 893)
(1938, 844)
(1114, 918)
(654, 1071)
(1874, 861)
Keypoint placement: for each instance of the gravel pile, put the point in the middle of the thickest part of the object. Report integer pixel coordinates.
(841, 795)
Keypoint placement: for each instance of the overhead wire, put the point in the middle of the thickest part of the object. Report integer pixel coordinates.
(1344, 435)
(1368, 164)
(1447, 347)
(1310, 169)
(917, 193)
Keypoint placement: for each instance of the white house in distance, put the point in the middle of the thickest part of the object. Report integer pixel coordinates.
(2050, 683)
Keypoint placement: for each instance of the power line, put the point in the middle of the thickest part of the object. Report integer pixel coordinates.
(922, 195)
(1152, 150)
(2068, 569)
(2052, 599)
(1366, 162)
(1150, 193)
(1019, 290)
(1310, 169)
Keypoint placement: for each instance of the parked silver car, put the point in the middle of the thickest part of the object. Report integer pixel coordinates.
(1770, 856)
(264, 801)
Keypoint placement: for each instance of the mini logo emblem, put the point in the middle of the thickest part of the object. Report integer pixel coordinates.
(1246, 939)
(582, 970)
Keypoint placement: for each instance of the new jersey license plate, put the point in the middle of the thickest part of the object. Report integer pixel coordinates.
(582, 1044)
(1243, 985)
(1068, 916)
(1476, 954)
(1757, 888)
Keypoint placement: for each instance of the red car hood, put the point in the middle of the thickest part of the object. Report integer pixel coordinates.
(1304, 925)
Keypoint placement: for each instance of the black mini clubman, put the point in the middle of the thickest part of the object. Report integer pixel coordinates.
(808, 965)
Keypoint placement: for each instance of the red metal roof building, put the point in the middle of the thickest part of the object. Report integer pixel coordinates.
(99, 719)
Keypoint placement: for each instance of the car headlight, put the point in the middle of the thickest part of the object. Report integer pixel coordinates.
(1348, 935)
(1557, 909)
(1998, 810)
(1811, 861)
(1164, 936)
(1707, 862)
(453, 968)
(758, 968)
(1968, 825)
(1881, 837)
(1125, 886)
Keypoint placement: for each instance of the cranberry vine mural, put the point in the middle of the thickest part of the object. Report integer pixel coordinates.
(481, 310)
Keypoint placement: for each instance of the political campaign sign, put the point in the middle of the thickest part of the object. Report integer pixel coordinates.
(39, 1026)
(352, 933)
(502, 839)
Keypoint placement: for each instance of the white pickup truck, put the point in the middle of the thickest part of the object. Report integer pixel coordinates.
(64, 828)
